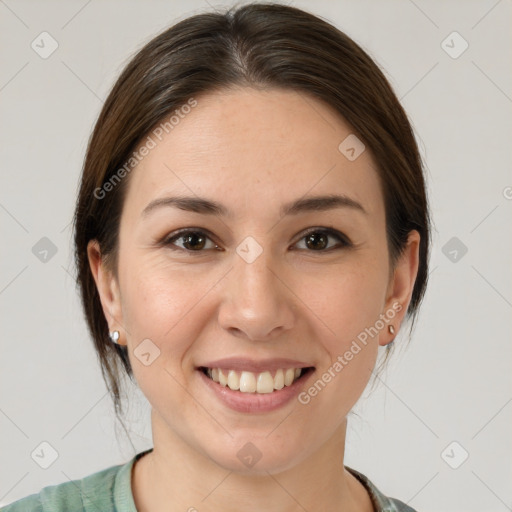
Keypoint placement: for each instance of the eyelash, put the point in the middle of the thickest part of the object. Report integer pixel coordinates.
(343, 240)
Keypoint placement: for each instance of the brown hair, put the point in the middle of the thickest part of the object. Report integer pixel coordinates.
(255, 45)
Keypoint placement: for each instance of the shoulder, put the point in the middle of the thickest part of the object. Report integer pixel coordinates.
(91, 493)
(381, 502)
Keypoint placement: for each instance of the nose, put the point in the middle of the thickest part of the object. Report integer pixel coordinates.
(256, 303)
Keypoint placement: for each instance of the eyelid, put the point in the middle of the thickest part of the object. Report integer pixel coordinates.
(341, 237)
(166, 240)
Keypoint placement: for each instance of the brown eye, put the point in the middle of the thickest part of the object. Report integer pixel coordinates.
(320, 240)
(193, 241)
(317, 241)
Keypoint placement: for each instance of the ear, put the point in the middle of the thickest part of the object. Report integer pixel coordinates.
(108, 289)
(401, 286)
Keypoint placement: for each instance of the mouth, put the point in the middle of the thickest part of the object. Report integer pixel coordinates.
(246, 385)
(257, 391)
(262, 382)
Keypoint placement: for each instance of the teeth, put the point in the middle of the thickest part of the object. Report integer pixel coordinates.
(265, 383)
(249, 382)
(234, 380)
(279, 379)
(223, 379)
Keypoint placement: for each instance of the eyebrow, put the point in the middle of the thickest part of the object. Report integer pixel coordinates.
(302, 205)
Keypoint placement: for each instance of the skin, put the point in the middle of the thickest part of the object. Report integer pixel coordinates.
(252, 151)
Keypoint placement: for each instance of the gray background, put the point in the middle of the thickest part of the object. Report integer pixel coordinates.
(452, 382)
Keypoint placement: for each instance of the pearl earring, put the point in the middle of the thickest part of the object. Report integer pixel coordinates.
(114, 337)
(391, 329)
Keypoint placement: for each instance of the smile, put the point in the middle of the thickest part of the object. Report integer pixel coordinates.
(254, 387)
(251, 382)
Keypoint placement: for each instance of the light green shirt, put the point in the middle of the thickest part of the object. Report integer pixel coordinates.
(110, 490)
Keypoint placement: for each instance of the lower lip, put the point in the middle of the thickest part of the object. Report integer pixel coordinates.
(255, 402)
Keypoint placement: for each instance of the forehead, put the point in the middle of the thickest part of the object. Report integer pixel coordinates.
(249, 148)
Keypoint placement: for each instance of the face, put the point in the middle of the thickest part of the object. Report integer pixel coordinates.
(254, 271)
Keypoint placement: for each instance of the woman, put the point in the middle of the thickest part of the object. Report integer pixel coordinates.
(252, 225)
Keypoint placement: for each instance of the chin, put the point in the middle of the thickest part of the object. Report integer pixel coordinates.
(257, 455)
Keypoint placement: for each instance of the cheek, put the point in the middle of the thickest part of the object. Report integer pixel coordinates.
(157, 298)
(350, 312)
(171, 305)
(160, 305)
(348, 301)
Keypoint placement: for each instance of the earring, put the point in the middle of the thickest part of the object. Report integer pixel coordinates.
(391, 329)
(114, 336)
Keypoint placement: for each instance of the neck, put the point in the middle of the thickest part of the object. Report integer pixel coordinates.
(175, 477)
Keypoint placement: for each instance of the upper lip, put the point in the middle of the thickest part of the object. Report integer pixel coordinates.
(252, 365)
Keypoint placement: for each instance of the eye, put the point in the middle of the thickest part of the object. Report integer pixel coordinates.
(190, 240)
(315, 239)
(318, 239)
